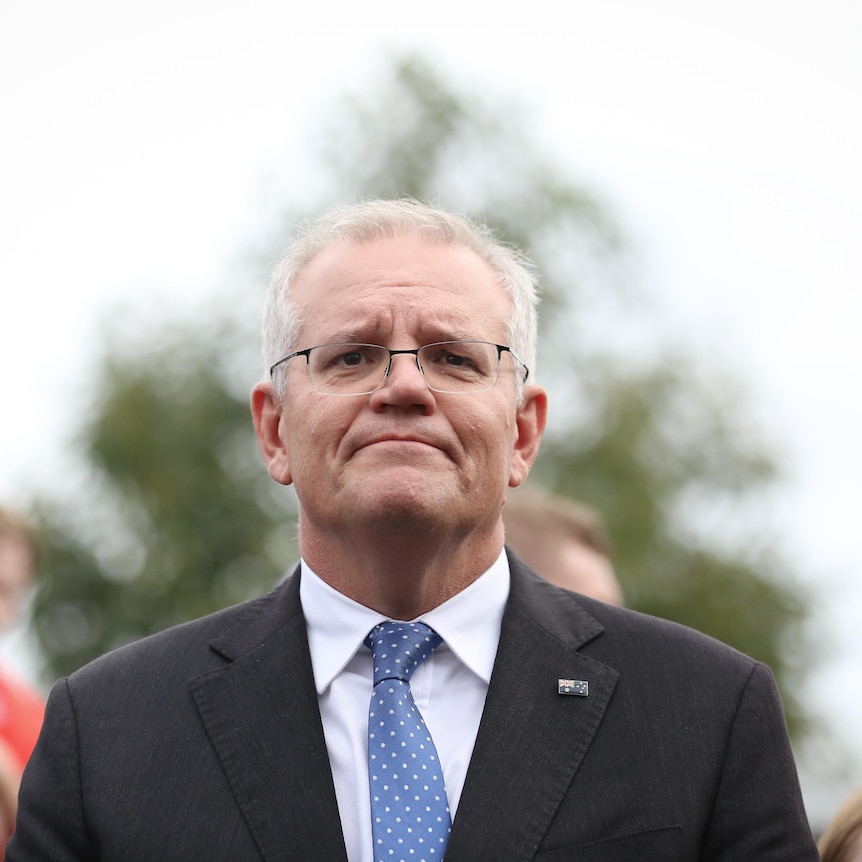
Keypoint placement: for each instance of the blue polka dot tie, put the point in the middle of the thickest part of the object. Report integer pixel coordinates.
(410, 819)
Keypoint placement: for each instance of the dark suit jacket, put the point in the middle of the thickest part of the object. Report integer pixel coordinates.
(205, 743)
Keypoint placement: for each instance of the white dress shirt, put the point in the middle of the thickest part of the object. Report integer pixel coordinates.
(449, 687)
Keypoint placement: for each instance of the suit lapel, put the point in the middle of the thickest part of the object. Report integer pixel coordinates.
(260, 711)
(532, 739)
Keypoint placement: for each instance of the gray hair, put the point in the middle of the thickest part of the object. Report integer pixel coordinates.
(375, 219)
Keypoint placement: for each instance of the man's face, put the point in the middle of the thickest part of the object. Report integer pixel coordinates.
(403, 456)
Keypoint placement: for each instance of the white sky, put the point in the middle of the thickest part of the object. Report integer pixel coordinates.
(139, 138)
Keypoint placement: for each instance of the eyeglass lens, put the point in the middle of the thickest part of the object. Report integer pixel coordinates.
(451, 366)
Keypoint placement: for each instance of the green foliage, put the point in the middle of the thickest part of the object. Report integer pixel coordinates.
(177, 517)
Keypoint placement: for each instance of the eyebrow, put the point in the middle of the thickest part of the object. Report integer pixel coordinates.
(427, 336)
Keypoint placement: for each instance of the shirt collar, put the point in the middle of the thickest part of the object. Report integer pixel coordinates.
(469, 622)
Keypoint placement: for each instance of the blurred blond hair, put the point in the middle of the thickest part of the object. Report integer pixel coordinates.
(566, 542)
(842, 839)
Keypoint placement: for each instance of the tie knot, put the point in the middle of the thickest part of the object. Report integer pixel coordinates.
(397, 649)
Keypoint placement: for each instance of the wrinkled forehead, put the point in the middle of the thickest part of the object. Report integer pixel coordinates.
(394, 282)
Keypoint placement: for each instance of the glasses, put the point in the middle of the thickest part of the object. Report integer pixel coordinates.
(360, 369)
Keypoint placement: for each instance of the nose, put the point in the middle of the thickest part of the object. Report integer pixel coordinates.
(404, 384)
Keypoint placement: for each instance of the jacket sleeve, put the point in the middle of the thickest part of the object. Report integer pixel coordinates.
(50, 822)
(758, 811)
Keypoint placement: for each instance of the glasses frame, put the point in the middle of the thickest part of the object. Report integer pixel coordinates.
(501, 349)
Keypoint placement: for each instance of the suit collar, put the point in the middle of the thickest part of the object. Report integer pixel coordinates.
(261, 619)
(549, 608)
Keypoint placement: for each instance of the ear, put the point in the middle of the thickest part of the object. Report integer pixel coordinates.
(266, 412)
(531, 418)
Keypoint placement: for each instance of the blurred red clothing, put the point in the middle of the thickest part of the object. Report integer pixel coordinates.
(21, 712)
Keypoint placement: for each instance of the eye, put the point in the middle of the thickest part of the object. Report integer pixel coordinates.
(355, 355)
(351, 358)
(448, 356)
(335, 358)
(457, 360)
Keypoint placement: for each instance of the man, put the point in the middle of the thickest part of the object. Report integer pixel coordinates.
(566, 542)
(21, 707)
(399, 404)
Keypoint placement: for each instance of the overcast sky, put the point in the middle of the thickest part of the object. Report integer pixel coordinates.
(139, 140)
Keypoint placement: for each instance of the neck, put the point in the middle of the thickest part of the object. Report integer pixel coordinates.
(401, 577)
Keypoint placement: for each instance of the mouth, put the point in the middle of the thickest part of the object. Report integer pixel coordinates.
(400, 446)
(397, 443)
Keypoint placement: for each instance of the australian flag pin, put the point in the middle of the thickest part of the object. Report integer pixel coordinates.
(575, 687)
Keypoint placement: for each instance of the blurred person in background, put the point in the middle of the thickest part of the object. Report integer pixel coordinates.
(21, 707)
(564, 541)
(842, 839)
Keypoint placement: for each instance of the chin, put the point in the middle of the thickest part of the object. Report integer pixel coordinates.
(412, 508)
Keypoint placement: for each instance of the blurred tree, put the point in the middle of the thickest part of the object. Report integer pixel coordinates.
(177, 517)
(174, 517)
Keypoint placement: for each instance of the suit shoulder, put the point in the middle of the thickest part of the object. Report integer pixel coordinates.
(612, 634)
(653, 638)
(187, 648)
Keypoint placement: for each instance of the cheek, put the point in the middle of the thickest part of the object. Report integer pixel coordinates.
(491, 438)
(313, 430)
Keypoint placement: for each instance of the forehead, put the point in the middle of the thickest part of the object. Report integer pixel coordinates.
(402, 282)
